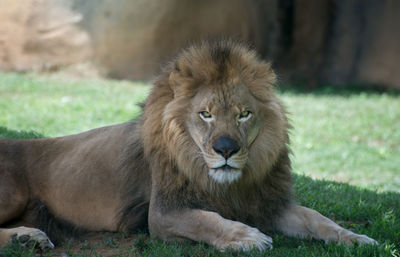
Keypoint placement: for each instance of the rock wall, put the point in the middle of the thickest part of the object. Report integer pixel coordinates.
(40, 34)
(340, 41)
(315, 41)
(132, 38)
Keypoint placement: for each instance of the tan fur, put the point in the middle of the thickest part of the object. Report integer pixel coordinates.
(166, 163)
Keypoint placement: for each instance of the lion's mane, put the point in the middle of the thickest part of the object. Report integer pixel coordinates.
(178, 171)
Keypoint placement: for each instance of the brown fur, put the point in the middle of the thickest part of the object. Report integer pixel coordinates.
(164, 165)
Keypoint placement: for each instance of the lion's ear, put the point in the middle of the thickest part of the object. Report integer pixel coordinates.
(180, 73)
(180, 85)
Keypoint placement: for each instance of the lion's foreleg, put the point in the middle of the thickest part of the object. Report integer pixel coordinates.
(209, 227)
(304, 222)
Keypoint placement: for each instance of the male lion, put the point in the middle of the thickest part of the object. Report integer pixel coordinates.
(208, 161)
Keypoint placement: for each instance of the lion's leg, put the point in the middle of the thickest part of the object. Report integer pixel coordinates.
(13, 200)
(304, 222)
(10, 207)
(14, 196)
(14, 191)
(209, 227)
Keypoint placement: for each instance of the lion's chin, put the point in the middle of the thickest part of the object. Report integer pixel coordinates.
(225, 174)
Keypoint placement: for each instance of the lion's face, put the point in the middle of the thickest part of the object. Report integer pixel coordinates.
(224, 122)
(213, 115)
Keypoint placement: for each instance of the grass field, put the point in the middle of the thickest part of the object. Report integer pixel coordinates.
(350, 139)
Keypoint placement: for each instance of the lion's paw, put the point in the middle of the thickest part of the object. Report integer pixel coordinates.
(246, 238)
(352, 238)
(29, 237)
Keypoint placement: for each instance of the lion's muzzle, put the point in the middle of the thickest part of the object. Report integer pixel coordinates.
(225, 170)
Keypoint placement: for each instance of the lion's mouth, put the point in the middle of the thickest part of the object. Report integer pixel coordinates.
(226, 168)
(225, 174)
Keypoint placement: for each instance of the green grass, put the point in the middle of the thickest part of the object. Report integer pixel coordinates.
(56, 106)
(350, 137)
(353, 139)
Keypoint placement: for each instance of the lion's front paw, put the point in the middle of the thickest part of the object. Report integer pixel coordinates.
(243, 237)
(351, 238)
(29, 237)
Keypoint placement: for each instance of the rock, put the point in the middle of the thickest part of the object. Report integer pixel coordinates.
(315, 42)
(132, 38)
(340, 42)
(40, 34)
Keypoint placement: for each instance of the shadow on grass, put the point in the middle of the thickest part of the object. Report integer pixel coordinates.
(366, 211)
(8, 133)
(346, 90)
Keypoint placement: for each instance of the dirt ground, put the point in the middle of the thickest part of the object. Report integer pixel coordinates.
(99, 244)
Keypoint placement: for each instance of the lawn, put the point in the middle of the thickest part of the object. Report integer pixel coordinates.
(350, 139)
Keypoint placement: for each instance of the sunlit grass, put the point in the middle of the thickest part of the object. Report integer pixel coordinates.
(353, 139)
(58, 106)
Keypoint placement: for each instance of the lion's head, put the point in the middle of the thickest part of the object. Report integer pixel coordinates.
(215, 110)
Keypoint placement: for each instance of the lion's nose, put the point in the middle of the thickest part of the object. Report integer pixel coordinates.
(225, 146)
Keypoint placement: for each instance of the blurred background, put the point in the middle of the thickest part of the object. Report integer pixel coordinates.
(311, 42)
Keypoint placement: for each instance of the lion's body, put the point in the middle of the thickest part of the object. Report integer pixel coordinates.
(101, 180)
(208, 160)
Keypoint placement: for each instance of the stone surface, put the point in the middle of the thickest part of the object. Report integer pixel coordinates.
(313, 42)
(340, 42)
(40, 34)
(132, 38)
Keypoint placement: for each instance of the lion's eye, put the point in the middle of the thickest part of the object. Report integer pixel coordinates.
(244, 115)
(205, 115)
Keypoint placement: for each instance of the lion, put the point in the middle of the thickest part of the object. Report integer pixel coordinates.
(208, 160)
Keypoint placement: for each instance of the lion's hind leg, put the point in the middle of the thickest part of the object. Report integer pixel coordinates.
(14, 197)
(304, 222)
(13, 202)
